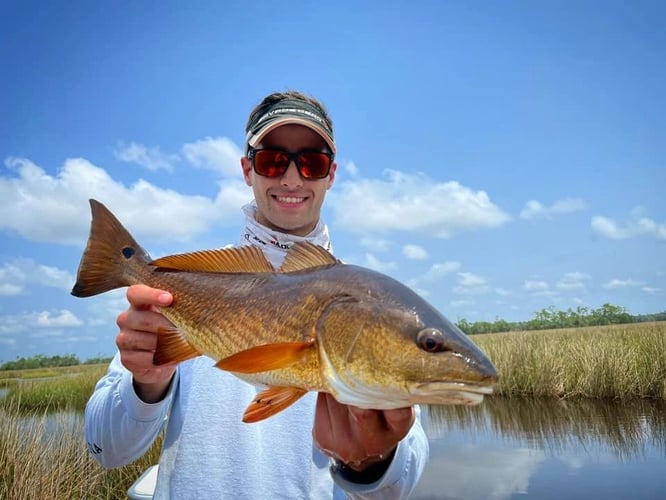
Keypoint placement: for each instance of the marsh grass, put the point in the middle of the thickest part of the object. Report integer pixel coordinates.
(50, 390)
(608, 362)
(42, 448)
(43, 372)
(43, 454)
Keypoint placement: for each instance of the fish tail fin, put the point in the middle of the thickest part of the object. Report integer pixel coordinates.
(112, 258)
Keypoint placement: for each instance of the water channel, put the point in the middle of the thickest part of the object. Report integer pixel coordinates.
(546, 449)
(526, 449)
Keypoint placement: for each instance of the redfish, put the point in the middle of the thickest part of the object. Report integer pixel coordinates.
(314, 324)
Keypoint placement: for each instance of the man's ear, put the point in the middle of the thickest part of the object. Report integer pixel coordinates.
(246, 165)
(331, 175)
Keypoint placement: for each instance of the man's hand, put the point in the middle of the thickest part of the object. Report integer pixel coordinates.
(137, 340)
(356, 437)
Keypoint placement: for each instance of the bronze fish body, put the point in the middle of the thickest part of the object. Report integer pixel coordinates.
(315, 324)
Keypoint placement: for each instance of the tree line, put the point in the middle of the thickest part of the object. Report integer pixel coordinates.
(551, 318)
(40, 361)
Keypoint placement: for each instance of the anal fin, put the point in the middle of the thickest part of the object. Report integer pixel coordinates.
(271, 401)
(265, 357)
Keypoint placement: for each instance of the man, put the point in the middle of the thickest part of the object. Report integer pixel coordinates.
(317, 448)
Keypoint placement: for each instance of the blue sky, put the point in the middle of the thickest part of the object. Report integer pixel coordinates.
(498, 157)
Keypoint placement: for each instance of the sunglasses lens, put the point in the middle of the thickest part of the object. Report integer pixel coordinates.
(274, 163)
(270, 163)
(313, 165)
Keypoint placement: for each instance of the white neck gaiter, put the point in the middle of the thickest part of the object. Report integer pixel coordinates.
(275, 244)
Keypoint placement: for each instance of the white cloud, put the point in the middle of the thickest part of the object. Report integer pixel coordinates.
(27, 322)
(461, 303)
(471, 284)
(47, 334)
(476, 472)
(436, 272)
(615, 283)
(10, 290)
(539, 288)
(651, 290)
(215, 153)
(572, 281)
(535, 286)
(412, 203)
(421, 291)
(351, 168)
(414, 252)
(636, 226)
(374, 263)
(376, 244)
(46, 208)
(150, 158)
(535, 209)
(19, 272)
(441, 269)
(470, 280)
(64, 318)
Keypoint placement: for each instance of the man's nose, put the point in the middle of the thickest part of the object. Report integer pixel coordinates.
(292, 176)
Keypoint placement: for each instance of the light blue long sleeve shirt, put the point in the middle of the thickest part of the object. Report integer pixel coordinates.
(209, 452)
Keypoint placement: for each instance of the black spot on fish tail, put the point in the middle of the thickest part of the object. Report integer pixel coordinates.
(111, 258)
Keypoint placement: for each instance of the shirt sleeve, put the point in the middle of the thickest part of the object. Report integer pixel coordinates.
(119, 426)
(402, 475)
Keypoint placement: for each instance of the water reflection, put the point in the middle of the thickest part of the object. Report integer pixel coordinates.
(42, 427)
(536, 448)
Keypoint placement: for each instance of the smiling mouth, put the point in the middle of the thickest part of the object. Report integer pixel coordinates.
(290, 200)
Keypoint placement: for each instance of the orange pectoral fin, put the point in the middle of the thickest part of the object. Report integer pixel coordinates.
(265, 357)
(271, 401)
(172, 347)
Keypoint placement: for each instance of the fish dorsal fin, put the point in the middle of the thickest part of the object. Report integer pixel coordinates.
(247, 259)
(305, 255)
(271, 401)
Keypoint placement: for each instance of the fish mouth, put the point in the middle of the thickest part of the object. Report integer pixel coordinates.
(447, 393)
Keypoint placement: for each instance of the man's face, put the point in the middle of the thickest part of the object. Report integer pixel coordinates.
(289, 203)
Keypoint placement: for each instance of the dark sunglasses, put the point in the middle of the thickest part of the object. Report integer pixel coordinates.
(275, 162)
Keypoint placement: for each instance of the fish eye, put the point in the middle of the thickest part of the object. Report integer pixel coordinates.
(431, 340)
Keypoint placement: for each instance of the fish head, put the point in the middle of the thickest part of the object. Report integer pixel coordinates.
(389, 354)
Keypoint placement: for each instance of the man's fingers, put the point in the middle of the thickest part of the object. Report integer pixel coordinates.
(141, 360)
(400, 420)
(141, 320)
(332, 427)
(364, 418)
(136, 341)
(143, 297)
(357, 436)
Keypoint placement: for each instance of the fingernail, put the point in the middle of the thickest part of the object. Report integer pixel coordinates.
(164, 298)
